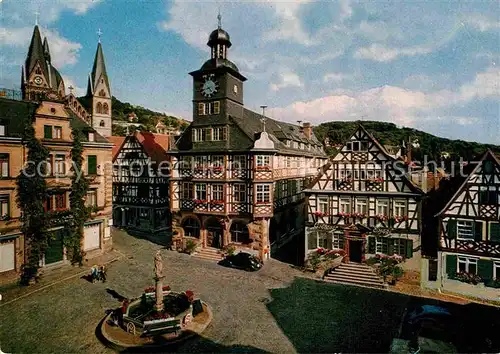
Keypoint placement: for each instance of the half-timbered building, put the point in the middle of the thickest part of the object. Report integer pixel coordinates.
(141, 171)
(364, 203)
(468, 232)
(238, 176)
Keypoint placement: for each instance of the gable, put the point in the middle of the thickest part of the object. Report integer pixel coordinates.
(101, 85)
(132, 151)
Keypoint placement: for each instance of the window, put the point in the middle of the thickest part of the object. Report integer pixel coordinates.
(263, 194)
(4, 165)
(219, 133)
(383, 207)
(2, 130)
(323, 205)
(262, 161)
(91, 136)
(48, 165)
(199, 134)
(467, 265)
(102, 93)
(98, 107)
(101, 123)
(217, 161)
(200, 161)
(4, 206)
(60, 201)
(496, 270)
(240, 193)
(59, 165)
(91, 198)
(57, 132)
(495, 232)
(355, 146)
(487, 197)
(239, 232)
(187, 190)
(399, 208)
(345, 205)
(364, 146)
(465, 229)
(208, 108)
(348, 146)
(47, 131)
(201, 109)
(488, 167)
(92, 164)
(361, 206)
(217, 192)
(239, 162)
(201, 191)
(105, 109)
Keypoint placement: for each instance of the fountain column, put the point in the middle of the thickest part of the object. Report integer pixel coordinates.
(159, 281)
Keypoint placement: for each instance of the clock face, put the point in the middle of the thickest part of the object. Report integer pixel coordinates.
(38, 80)
(209, 87)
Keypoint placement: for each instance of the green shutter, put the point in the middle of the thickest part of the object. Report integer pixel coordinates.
(92, 164)
(451, 264)
(371, 244)
(494, 232)
(47, 131)
(451, 228)
(409, 248)
(478, 230)
(485, 269)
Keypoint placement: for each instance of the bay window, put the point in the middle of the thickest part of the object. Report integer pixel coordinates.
(263, 193)
(217, 192)
(240, 193)
(201, 191)
(262, 161)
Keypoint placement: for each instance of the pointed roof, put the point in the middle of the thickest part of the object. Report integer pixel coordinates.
(46, 49)
(36, 52)
(98, 70)
(117, 142)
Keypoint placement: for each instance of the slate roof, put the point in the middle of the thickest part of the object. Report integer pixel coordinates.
(13, 114)
(98, 69)
(36, 53)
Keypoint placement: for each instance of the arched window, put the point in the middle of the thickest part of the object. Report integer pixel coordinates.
(74, 104)
(79, 109)
(105, 108)
(102, 93)
(239, 232)
(38, 71)
(191, 227)
(98, 108)
(102, 124)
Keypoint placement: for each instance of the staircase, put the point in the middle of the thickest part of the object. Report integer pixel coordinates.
(355, 274)
(208, 253)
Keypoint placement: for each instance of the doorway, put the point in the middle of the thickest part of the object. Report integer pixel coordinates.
(215, 233)
(355, 250)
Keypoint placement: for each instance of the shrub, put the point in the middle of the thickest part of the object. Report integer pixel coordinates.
(372, 261)
(493, 283)
(229, 250)
(314, 260)
(190, 246)
(468, 278)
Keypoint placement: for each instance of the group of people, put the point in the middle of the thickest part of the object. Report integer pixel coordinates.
(98, 273)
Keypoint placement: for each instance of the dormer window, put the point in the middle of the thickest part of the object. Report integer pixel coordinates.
(355, 146)
(348, 146)
(91, 136)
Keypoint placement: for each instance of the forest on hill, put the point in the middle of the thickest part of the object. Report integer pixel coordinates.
(390, 134)
(146, 117)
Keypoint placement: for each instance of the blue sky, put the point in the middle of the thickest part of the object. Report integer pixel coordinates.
(430, 65)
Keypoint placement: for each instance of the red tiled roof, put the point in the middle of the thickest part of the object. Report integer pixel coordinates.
(155, 145)
(117, 142)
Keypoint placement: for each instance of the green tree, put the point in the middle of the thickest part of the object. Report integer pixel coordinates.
(118, 130)
(31, 194)
(79, 211)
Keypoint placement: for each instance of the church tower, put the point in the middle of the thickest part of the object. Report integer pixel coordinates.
(39, 79)
(99, 94)
(218, 84)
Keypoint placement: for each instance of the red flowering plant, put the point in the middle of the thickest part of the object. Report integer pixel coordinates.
(376, 179)
(190, 295)
(382, 217)
(263, 168)
(157, 316)
(199, 168)
(359, 215)
(199, 201)
(344, 215)
(217, 169)
(400, 218)
(320, 213)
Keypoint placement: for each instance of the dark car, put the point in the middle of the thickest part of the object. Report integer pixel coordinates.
(243, 261)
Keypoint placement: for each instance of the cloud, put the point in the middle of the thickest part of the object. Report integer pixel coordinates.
(69, 82)
(287, 79)
(63, 51)
(335, 77)
(482, 23)
(381, 53)
(485, 84)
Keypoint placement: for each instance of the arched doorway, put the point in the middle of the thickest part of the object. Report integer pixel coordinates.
(239, 232)
(191, 227)
(215, 233)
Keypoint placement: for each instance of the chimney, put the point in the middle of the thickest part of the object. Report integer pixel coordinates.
(307, 129)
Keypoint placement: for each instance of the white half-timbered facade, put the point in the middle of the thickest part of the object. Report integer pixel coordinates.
(469, 235)
(362, 202)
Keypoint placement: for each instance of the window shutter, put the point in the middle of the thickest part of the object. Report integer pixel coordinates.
(216, 107)
(201, 109)
(451, 264)
(371, 244)
(478, 230)
(92, 164)
(409, 248)
(47, 131)
(451, 228)
(494, 232)
(208, 134)
(485, 269)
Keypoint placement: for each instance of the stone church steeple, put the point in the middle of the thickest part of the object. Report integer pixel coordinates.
(99, 93)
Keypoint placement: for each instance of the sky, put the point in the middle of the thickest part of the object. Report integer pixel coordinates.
(429, 65)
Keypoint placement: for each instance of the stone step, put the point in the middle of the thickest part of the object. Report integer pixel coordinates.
(356, 266)
(354, 276)
(354, 271)
(207, 257)
(210, 250)
(356, 283)
(347, 278)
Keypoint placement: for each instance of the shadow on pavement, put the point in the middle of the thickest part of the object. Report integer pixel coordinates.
(115, 295)
(320, 317)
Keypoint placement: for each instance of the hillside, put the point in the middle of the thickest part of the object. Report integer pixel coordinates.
(390, 134)
(146, 117)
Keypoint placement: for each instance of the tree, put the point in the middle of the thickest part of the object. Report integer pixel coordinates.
(119, 130)
(79, 211)
(31, 195)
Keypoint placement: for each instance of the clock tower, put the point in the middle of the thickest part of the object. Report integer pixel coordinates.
(218, 84)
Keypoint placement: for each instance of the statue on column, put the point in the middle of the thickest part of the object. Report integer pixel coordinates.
(158, 280)
(158, 265)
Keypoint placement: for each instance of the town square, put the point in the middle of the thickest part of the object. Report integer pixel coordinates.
(249, 177)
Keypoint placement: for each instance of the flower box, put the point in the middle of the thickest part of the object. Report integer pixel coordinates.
(320, 213)
(199, 201)
(263, 168)
(217, 169)
(344, 215)
(217, 202)
(399, 219)
(375, 180)
(199, 168)
(382, 217)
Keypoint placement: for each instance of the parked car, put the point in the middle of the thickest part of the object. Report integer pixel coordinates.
(242, 260)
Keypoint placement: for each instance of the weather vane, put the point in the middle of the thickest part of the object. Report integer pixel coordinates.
(99, 33)
(263, 119)
(36, 17)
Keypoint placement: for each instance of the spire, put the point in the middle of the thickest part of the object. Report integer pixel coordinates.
(36, 53)
(219, 20)
(99, 34)
(98, 72)
(46, 50)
